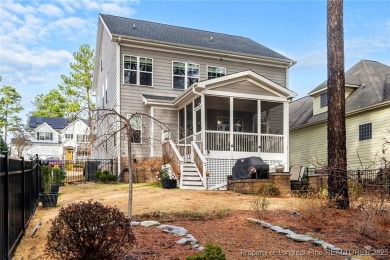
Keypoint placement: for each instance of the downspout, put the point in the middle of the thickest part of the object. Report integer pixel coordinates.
(118, 100)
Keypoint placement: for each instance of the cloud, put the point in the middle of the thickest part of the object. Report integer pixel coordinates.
(51, 10)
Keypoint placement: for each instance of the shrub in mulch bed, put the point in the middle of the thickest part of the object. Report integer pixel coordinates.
(87, 230)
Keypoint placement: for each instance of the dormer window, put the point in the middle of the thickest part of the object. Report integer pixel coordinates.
(324, 100)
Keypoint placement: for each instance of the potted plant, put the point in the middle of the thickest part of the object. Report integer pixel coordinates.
(166, 180)
(47, 198)
(59, 176)
(279, 168)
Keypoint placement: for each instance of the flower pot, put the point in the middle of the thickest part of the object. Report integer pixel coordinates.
(279, 169)
(169, 184)
(55, 188)
(48, 200)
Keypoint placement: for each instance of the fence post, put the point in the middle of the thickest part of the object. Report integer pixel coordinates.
(6, 207)
(24, 196)
(112, 167)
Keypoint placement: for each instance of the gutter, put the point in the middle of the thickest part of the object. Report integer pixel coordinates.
(351, 113)
(142, 43)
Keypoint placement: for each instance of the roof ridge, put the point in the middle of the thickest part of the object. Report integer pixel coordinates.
(178, 26)
(300, 99)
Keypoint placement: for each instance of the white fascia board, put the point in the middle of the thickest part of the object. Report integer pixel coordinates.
(41, 125)
(255, 76)
(185, 49)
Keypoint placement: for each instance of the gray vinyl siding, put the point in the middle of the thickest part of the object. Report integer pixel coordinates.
(168, 118)
(245, 87)
(104, 146)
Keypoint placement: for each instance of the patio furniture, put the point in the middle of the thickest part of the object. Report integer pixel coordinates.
(296, 177)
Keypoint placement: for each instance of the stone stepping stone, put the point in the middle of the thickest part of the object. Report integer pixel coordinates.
(174, 230)
(149, 223)
(135, 223)
(300, 238)
(265, 224)
(319, 242)
(254, 220)
(183, 241)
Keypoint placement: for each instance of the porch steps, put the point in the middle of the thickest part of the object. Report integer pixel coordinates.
(191, 178)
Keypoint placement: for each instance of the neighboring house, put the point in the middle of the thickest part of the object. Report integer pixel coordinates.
(223, 97)
(57, 138)
(367, 104)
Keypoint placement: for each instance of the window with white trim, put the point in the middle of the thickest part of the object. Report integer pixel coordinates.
(136, 125)
(215, 72)
(81, 138)
(324, 100)
(365, 132)
(68, 136)
(184, 74)
(137, 70)
(45, 136)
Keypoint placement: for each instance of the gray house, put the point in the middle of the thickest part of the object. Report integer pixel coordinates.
(221, 97)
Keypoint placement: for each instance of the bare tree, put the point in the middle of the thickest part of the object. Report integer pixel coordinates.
(337, 152)
(128, 126)
(20, 142)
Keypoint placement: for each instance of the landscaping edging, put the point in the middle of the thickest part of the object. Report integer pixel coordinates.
(302, 238)
(187, 238)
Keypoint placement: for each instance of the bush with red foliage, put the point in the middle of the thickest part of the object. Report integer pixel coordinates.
(87, 230)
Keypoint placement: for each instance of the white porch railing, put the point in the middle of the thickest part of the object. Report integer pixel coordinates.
(245, 142)
(172, 156)
(200, 163)
(185, 151)
(217, 141)
(271, 143)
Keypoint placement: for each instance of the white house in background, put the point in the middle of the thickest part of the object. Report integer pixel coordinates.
(57, 138)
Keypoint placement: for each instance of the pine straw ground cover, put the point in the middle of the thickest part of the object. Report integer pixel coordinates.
(211, 216)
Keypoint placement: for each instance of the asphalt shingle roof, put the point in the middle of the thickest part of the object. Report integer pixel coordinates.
(55, 123)
(121, 26)
(374, 80)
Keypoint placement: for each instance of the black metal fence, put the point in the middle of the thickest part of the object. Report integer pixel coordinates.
(84, 170)
(373, 179)
(19, 191)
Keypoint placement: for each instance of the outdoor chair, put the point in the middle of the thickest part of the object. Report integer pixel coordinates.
(296, 176)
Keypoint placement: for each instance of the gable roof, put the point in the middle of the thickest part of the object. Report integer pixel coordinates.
(373, 79)
(85, 122)
(42, 125)
(55, 123)
(134, 28)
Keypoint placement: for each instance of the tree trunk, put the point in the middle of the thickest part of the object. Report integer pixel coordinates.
(337, 153)
(130, 163)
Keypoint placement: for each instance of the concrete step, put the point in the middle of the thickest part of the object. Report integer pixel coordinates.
(192, 183)
(192, 188)
(191, 178)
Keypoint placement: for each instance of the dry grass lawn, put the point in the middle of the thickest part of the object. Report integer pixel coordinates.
(231, 232)
(147, 199)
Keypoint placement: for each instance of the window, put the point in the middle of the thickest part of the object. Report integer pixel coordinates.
(44, 136)
(136, 125)
(365, 132)
(215, 72)
(81, 138)
(68, 136)
(137, 70)
(324, 100)
(184, 74)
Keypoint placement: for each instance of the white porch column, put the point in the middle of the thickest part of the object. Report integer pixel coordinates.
(152, 132)
(185, 124)
(259, 126)
(231, 124)
(286, 133)
(193, 121)
(203, 122)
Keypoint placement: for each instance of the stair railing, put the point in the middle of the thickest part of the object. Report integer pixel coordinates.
(171, 155)
(200, 162)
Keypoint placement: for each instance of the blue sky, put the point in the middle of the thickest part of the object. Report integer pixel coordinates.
(37, 38)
